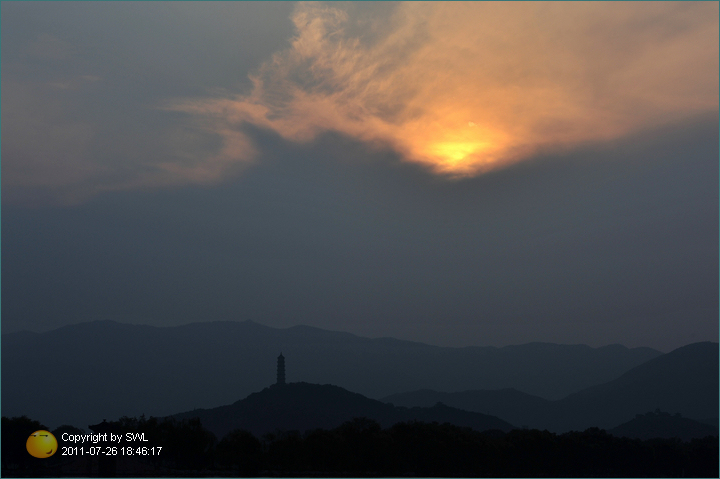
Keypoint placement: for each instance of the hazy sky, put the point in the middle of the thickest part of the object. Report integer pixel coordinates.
(452, 173)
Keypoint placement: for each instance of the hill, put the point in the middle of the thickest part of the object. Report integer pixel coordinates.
(683, 381)
(509, 404)
(105, 369)
(302, 406)
(663, 425)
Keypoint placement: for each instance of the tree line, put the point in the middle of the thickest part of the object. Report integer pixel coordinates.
(361, 447)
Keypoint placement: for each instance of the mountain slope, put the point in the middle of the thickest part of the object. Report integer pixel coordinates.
(105, 369)
(664, 425)
(510, 404)
(304, 406)
(683, 381)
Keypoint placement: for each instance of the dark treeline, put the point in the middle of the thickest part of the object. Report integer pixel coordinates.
(362, 448)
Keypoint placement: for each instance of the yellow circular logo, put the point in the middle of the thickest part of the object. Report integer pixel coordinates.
(41, 444)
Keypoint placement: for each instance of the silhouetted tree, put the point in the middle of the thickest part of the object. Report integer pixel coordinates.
(15, 432)
(241, 451)
(285, 452)
(186, 444)
(702, 458)
(360, 447)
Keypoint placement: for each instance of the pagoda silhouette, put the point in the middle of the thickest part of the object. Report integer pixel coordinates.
(280, 370)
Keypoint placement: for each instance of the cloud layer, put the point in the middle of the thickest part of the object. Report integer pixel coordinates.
(466, 87)
(461, 88)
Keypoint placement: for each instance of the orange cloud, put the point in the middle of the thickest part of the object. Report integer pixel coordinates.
(465, 87)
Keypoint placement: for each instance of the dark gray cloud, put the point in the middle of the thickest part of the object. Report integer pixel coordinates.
(83, 84)
(606, 242)
(611, 244)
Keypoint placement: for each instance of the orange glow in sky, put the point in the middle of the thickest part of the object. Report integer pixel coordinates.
(465, 87)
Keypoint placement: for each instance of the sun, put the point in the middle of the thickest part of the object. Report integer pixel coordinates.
(455, 152)
(461, 156)
(450, 144)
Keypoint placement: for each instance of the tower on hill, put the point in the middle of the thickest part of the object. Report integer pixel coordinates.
(281, 370)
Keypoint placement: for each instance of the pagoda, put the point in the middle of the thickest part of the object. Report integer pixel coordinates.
(281, 370)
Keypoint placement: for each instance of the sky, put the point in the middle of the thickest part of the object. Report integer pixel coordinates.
(470, 173)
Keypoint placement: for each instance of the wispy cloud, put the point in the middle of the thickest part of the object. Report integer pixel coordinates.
(461, 87)
(466, 87)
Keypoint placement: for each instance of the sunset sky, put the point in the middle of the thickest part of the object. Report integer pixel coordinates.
(456, 173)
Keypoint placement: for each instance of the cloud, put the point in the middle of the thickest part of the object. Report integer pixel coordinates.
(459, 87)
(465, 87)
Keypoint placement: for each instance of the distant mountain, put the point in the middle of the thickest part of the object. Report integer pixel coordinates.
(664, 425)
(509, 404)
(304, 406)
(713, 421)
(105, 369)
(683, 381)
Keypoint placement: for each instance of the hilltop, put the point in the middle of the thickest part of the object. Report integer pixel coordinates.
(683, 381)
(303, 406)
(105, 369)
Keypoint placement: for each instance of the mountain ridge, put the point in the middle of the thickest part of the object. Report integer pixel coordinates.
(663, 425)
(110, 369)
(303, 406)
(682, 381)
